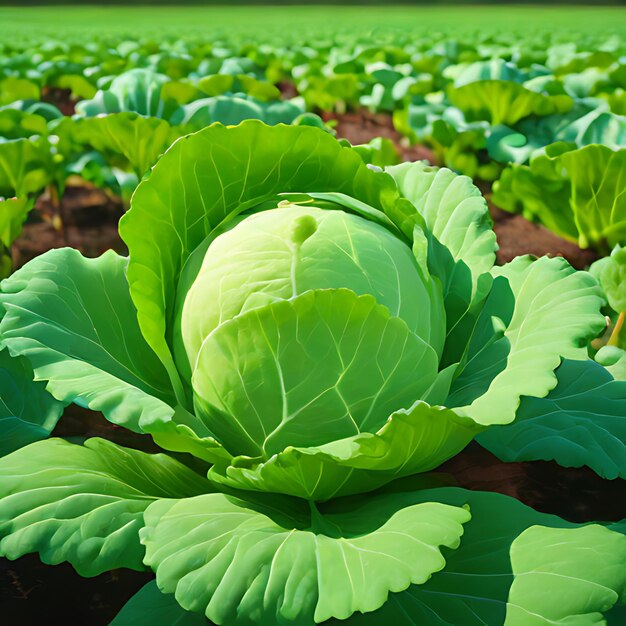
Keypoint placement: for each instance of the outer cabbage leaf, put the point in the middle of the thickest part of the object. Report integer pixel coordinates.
(582, 567)
(459, 249)
(556, 313)
(416, 440)
(85, 504)
(472, 589)
(75, 322)
(461, 243)
(27, 411)
(582, 421)
(255, 567)
(455, 213)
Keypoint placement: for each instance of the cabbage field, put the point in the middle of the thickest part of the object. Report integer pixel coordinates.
(313, 315)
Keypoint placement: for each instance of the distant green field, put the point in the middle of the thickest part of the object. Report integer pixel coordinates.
(284, 23)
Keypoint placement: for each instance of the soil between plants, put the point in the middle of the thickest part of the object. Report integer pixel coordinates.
(32, 593)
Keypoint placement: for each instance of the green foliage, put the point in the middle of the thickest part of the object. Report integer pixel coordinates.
(309, 330)
(343, 562)
(611, 274)
(580, 422)
(27, 411)
(576, 193)
(84, 504)
(547, 563)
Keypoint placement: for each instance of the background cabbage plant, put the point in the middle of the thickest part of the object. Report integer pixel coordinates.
(307, 337)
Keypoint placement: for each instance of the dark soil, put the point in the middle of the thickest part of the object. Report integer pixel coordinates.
(575, 494)
(78, 423)
(35, 594)
(517, 236)
(61, 98)
(86, 220)
(362, 126)
(287, 90)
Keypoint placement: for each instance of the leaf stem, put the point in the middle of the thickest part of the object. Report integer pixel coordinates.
(320, 525)
(615, 335)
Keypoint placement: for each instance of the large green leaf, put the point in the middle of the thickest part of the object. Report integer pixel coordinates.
(473, 588)
(25, 166)
(583, 567)
(27, 411)
(13, 213)
(84, 504)
(461, 242)
(17, 124)
(500, 101)
(74, 320)
(131, 139)
(322, 366)
(598, 204)
(454, 210)
(243, 564)
(556, 314)
(582, 421)
(205, 180)
(13, 88)
(412, 441)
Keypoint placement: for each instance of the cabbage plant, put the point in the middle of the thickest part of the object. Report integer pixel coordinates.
(577, 193)
(307, 337)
